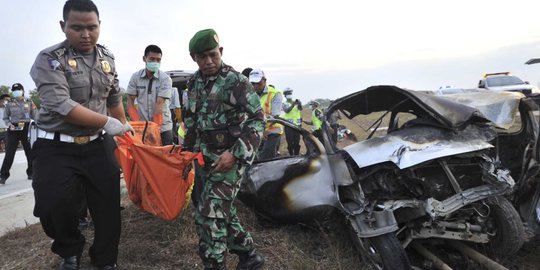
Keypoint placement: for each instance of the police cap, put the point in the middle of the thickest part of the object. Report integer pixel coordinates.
(203, 40)
(287, 91)
(17, 86)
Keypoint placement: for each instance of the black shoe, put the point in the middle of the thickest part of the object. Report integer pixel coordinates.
(251, 260)
(3, 180)
(70, 263)
(107, 267)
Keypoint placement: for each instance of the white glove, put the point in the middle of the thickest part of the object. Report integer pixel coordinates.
(113, 127)
(128, 127)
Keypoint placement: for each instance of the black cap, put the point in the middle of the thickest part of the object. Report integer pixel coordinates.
(17, 86)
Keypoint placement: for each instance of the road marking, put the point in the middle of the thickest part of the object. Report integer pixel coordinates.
(15, 193)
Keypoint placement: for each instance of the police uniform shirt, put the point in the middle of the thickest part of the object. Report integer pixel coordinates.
(146, 98)
(18, 111)
(66, 78)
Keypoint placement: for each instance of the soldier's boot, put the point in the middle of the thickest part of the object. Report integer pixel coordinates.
(250, 260)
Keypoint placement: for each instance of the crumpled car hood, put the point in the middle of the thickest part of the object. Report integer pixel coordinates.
(460, 128)
(411, 146)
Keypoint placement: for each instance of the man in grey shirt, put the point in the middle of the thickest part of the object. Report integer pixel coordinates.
(152, 88)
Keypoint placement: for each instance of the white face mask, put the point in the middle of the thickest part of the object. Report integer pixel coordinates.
(153, 66)
(288, 96)
(17, 93)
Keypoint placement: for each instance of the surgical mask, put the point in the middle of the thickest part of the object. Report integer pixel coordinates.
(152, 66)
(288, 96)
(17, 93)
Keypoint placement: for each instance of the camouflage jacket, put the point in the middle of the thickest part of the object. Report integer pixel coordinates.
(218, 102)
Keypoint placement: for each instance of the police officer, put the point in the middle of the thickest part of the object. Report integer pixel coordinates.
(316, 119)
(292, 113)
(224, 121)
(17, 115)
(77, 83)
(271, 102)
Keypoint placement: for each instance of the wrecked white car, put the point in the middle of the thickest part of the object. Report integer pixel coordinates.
(425, 167)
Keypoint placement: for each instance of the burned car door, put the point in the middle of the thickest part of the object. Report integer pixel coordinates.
(291, 188)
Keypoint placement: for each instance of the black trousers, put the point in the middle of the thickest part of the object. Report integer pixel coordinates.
(60, 170)
(13, 137)
(293, 141)
(268, 148)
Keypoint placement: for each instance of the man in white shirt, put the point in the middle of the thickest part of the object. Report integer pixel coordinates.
(151, 88)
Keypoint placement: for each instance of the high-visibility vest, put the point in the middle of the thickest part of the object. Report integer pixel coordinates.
(181, 133)
(293, 115)
(316, 121)
(266, 104)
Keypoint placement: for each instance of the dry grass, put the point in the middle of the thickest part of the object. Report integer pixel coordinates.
(150, 243)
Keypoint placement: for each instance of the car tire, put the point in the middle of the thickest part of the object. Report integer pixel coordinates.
(380, 252)
(507, 227)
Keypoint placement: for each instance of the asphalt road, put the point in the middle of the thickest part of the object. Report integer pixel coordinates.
(16, 197)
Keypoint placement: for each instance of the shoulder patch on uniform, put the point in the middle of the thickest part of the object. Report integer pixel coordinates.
(54, 64)
(59, 53)
(106, 51)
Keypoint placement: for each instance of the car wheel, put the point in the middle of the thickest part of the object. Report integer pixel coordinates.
(506, 227)
(380, 252)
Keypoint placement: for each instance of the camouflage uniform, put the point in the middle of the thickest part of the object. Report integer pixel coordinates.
(217, 103)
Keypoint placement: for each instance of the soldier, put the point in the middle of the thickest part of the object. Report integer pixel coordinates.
(224, 121)
(17, 116)
(77, 83)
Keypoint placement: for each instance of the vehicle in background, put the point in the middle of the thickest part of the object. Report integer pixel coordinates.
(448, 89)
(179, 80)
(504, 81)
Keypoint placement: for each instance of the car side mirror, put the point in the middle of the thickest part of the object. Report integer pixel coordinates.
(527, 82)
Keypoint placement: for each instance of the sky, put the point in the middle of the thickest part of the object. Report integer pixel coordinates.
(320, 49)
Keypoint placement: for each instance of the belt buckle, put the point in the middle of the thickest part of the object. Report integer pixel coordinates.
(81, 139)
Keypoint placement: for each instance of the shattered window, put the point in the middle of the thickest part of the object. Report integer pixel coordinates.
(376, 124)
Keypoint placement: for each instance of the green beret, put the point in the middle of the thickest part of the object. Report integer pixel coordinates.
(203, 40)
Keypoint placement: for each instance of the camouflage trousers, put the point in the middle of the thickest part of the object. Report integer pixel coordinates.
(217, 224)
